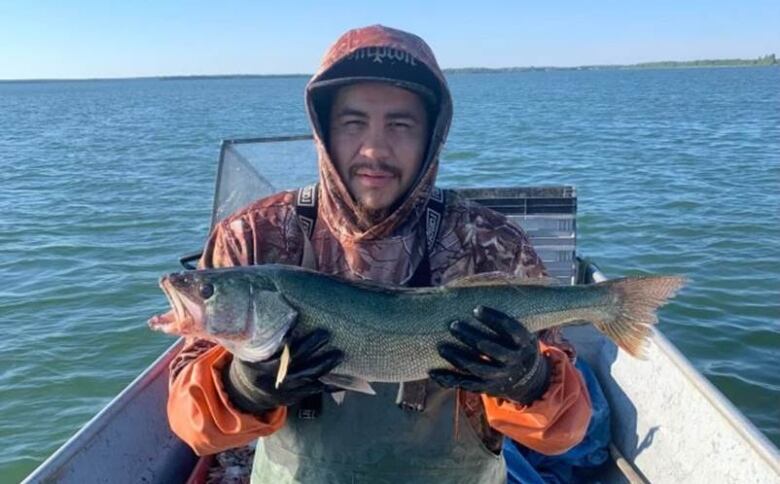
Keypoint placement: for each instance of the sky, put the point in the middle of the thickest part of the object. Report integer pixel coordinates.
(74, 39)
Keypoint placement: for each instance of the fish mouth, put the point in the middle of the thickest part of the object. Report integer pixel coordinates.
(184, 313)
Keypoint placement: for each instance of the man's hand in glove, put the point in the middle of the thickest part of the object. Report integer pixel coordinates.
(500, 358)
(251, 386)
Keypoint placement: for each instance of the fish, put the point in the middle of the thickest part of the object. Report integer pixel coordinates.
(390, 333)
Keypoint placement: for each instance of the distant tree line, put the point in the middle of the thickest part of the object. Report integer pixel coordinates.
(766, 60)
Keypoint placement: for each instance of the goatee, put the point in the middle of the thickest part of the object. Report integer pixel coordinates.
(368, 217)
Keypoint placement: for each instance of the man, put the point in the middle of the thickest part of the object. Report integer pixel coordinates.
(380, 110)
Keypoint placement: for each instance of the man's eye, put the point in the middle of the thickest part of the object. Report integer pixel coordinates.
(400, 125)
(352, 126)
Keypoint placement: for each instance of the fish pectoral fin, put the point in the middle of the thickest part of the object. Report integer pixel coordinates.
(338, 397)
(500, 279)
(347, 382)
(284, 365)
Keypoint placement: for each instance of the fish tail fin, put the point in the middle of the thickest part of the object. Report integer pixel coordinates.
(635, 312)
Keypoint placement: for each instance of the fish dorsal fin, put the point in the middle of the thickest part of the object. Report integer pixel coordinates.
(499, 279)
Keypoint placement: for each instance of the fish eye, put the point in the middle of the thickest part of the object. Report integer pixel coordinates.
(206, 290)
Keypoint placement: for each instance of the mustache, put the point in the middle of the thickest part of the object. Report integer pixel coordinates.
(377, 166)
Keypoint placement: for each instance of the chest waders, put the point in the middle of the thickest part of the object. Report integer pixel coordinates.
(404, 435)
(369, 439)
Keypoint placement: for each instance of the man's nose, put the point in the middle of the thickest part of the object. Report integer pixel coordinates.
(375, 145)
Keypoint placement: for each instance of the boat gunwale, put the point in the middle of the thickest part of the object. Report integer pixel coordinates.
(759, 442)
(105, 417)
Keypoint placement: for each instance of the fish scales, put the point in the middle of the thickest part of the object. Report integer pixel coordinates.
(390, 334)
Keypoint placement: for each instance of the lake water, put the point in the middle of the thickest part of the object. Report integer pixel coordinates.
(104, 184)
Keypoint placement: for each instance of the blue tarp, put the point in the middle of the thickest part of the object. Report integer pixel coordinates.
(528, 467)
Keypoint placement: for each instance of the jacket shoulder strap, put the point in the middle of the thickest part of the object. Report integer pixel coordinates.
(434, 214)
(411, 395)
(306, 211)
(306, 208)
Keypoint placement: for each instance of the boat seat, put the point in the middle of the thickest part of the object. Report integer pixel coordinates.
(548, 215)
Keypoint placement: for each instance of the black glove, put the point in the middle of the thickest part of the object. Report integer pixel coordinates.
(504, 362)
(251, 386)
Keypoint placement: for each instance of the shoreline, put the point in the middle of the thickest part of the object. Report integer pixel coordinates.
(766, 61)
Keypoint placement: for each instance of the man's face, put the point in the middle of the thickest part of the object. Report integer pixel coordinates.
(378, 136)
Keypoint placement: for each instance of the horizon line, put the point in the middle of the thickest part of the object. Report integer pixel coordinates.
(724, 62)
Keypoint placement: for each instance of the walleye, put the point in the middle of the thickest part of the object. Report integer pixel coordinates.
(389, 334)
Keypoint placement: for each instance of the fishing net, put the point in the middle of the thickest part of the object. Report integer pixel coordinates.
(253, 169)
